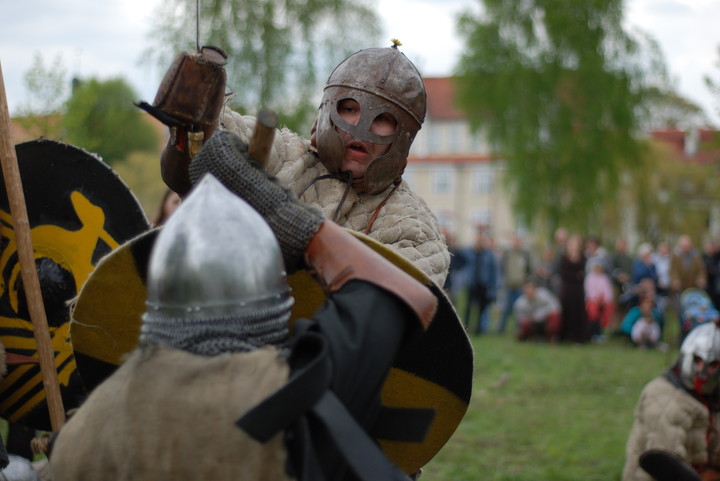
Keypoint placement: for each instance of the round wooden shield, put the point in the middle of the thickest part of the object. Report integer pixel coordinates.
(431, 375)
(78, 210)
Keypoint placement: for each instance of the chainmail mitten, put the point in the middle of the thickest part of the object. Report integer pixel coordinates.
(225, 156)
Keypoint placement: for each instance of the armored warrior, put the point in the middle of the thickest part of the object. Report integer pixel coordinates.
(677, 412)
(351, 169)
(217, 389)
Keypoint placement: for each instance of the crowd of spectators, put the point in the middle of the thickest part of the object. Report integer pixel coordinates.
(579, 290)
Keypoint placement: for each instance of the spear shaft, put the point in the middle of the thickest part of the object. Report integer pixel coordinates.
(21, 226)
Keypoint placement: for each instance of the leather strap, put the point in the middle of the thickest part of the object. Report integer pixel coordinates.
(310, 379)
(307, 393)
(335, 256)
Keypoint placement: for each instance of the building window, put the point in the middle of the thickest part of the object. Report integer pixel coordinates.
(442, 181)
(482, 181)
(455, 140)
(433, 140)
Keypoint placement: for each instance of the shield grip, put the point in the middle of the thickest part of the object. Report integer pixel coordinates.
(335, 257)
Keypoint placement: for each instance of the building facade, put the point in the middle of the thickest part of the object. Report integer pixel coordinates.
(453, 170)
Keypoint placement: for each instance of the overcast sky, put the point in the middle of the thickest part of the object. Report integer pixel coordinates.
(106, 39)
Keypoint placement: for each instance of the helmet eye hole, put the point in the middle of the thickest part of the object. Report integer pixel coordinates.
(350, 110)
(384, 124)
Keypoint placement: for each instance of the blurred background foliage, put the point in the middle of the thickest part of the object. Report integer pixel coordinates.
(563, 92)
(280, 52)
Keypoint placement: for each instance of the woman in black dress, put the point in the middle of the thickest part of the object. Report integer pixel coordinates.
(575, 327)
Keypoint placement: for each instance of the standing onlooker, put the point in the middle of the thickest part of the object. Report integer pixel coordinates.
(537, 311)
(686, 266)
(710, 260)
(621, 264)
(454, 282)
(574, 326)
(482, 281)
(515, 270)
(643, 266)
(686, 269)
(499, 296)
(661, 259)
(560, 238)
(594, 250)
(543, 268)
(599, 299)
(620, 273)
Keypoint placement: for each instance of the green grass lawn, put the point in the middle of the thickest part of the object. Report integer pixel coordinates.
(548, 413)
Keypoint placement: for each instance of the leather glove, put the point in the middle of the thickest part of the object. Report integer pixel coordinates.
(225, 156)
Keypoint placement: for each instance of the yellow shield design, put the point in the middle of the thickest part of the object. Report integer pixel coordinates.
(433, 374)
(79, 210)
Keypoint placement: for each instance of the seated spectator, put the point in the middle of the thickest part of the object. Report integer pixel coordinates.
(631, 298)
(650, 315)
(537, 311)
(646, 331)
(599, 299)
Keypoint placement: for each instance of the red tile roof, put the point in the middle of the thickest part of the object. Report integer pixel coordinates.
(707, 148)
(441, 99)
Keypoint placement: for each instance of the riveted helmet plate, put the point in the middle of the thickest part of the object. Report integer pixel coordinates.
(382, 81)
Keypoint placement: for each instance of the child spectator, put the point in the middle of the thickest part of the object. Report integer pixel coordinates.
(643, 323)
(646, 332)
(599, 299)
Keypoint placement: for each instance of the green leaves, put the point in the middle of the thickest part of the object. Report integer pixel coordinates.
(280, 52)
(101, 117)
(555, 87)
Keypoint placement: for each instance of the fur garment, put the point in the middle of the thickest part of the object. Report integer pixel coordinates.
(405, 223)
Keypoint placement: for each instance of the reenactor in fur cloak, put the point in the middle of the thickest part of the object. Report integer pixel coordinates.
(349, 170)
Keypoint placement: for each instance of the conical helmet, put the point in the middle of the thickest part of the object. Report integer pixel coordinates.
(216, 280)
(382, 81)
(700, 359)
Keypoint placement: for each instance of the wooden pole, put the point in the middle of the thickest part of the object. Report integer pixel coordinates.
(18, 210)
(262, 139)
